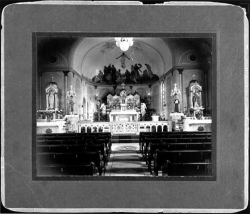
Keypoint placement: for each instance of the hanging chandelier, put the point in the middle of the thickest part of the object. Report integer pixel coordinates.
(124, 43)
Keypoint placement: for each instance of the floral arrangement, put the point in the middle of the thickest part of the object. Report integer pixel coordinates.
(67, 125)
(198, 115)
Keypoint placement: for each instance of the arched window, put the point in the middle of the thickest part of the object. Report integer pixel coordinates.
(163, 95)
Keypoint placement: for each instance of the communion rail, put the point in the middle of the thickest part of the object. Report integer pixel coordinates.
(125, 127)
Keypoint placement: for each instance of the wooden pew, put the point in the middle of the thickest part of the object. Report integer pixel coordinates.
(175, 144)
(181, 161)
(65, 170)
(104, 137)
(98, 147)
(59, 146)
(71, 159)
(144, 135)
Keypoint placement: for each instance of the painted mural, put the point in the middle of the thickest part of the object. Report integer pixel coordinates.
(111, 75)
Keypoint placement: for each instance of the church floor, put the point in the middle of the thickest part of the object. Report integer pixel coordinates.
(126, 160)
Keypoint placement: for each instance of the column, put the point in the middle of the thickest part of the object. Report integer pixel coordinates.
(171, 100)
(65, 90)
(40, 90)
(206, 90)
(181, 88)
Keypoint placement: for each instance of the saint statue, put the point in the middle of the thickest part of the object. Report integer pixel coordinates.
(51, 96)
(103, 109)
(71, 97)
(51, 100)
(195, 102)
(176, 105)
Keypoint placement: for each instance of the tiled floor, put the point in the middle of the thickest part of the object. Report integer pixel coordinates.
(126, 160)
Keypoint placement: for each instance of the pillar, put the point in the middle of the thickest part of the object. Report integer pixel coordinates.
(181, 88)
(40, 90)
(206, 89)
(65, 90)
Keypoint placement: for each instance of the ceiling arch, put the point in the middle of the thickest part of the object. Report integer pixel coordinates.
(90, 54)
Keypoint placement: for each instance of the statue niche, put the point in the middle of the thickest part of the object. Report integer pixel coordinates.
(52, 96)
(196, 100)
(195, 96)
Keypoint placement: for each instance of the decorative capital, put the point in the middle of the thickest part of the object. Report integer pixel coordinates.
(180, 70)
(65, 73)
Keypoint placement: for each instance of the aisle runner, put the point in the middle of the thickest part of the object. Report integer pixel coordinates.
(125, 160)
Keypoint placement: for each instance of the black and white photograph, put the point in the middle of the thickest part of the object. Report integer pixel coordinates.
(125, 107)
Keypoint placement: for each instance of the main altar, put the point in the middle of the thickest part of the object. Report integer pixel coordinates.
(123, 107)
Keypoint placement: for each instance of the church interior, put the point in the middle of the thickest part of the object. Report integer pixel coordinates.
(123, 106)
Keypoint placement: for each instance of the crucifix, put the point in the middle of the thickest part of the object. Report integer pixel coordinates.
(123, 85)
(123, 58)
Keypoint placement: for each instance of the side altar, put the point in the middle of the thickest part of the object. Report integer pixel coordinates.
(193, 120)
(50, 120)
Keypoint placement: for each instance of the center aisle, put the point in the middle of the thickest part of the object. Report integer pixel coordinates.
(126, 160)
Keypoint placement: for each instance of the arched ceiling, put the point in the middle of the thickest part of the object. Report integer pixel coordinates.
(90, 55)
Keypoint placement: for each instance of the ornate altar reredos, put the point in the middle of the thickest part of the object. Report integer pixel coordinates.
(52, 96)
(123, 107)
(123, 102)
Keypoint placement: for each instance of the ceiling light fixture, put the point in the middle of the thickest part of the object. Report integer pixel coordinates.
(124, 43)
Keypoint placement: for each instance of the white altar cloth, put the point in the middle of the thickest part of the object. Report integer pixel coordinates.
(191, 124)
(123, 116)
(55, 127)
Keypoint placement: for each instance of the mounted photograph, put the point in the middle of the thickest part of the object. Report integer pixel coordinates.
(124, 106)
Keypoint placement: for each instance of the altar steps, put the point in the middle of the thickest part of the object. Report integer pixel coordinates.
(124, 138)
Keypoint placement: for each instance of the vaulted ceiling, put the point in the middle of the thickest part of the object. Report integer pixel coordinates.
(88, 55)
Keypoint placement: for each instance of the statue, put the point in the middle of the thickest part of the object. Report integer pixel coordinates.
(52, 96)
(151, 75)
(118, 76)
(127, 75)
(195, 97)
(51, 100)
(132, 75)
(195, 103)
(143, 109)
(98, 78)
(123, 59)
(137, 68)
(71, 98)
(176, 105)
